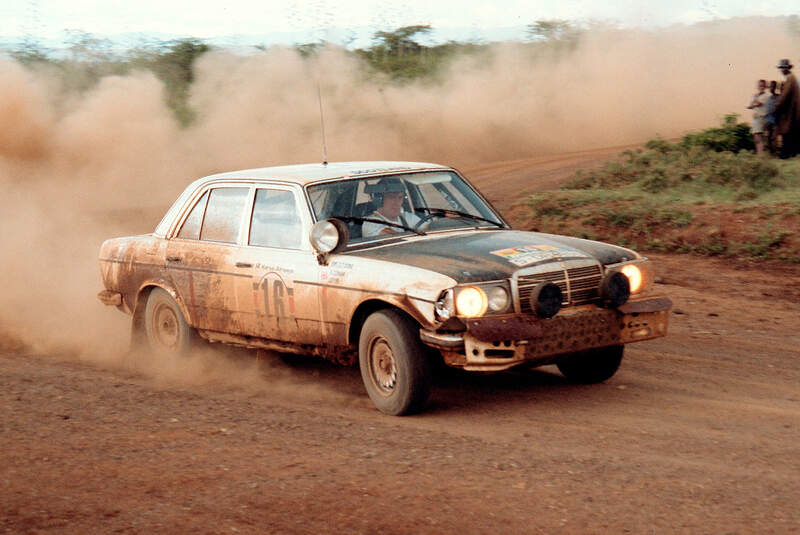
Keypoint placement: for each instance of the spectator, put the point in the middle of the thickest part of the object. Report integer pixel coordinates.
(759, 107)
(769, 119)
(787, 112)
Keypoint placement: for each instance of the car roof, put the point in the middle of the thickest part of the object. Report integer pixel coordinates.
(305, 173)
(302, 175)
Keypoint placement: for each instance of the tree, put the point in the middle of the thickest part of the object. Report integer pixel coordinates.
(399, 42)
(173, 62)
(178, 58)
(397, 54)
(552, 30)
(85, 47)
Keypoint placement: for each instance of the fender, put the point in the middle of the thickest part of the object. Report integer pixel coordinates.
(167, 287)
(373, 302)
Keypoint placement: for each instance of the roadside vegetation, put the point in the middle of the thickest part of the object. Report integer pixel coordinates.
(706, 193)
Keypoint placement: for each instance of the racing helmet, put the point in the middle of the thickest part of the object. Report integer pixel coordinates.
(389, 185)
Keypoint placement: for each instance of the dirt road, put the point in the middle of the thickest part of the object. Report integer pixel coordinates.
(505, 182)
(698, 432)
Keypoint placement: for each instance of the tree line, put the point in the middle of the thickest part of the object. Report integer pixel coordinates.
(397, 56)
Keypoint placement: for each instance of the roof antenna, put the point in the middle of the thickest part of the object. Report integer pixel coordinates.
(322, 124)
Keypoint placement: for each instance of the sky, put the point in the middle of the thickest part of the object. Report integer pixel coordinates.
(50, 18)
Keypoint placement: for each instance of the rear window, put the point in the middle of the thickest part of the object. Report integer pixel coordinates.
(191, 227)
(224, 215)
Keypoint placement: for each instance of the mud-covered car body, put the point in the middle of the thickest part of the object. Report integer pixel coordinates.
(237, 253)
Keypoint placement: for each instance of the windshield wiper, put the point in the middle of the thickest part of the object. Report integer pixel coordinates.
(380, 221)
(446, 212)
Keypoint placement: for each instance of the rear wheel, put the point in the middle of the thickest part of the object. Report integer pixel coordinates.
(166, 328)
(592, 366)
(394, 364)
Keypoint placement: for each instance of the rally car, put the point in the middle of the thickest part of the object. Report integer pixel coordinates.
(393, 265)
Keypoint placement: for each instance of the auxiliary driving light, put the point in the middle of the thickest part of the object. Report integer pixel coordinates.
(616, 289)
(546, 299)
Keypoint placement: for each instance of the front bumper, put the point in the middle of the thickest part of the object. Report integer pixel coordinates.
(494, 344)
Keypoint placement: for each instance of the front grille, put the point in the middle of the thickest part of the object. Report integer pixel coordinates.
(578, 285)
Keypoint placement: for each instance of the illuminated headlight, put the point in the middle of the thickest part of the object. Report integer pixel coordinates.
(638, 272)
(471, 302)
(498, 298)
(635, 277)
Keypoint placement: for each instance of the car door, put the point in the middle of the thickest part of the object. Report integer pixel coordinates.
(201, 257)
(280, 299)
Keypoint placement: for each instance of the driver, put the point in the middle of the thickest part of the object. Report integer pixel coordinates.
(391, 210)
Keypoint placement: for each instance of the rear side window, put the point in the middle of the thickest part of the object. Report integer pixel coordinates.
(224, 215)
(191, 227)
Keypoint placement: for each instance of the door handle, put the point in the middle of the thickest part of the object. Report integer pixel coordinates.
(174, 259)
(244, 264)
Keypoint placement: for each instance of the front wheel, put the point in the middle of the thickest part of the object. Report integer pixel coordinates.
(393, 363)
(591, 366)
(165, 327)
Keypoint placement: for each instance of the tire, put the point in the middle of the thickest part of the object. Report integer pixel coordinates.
(592, 366)
(394, 364)
(165, 327)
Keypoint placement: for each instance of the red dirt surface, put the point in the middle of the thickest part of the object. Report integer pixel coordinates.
(697, 432)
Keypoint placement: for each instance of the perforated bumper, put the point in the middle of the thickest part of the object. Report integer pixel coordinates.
(571, 330)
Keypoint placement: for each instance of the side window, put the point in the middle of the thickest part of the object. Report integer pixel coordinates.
(224, 214)
(275, 221)
(191, 227)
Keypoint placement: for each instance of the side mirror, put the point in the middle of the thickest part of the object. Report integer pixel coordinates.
(328, 237)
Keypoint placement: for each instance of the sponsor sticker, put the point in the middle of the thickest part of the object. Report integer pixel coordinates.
(530, 254)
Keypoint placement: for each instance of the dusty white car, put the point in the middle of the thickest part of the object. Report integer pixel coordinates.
(391, 264)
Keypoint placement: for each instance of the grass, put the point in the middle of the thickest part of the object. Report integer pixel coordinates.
(706, 194)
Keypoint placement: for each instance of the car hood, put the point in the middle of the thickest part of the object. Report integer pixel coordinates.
(492, 255)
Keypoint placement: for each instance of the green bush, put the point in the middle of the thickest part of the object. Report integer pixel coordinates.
(731, 136)
(714, 160)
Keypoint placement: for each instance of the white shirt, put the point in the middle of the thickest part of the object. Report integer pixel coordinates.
(368, 228)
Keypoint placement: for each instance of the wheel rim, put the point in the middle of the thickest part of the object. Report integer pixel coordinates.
(383, 370)
(165, 327)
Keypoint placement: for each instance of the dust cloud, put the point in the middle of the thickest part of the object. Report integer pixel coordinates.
(79, 168)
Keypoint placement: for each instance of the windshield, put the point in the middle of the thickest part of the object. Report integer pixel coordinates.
(402, 204)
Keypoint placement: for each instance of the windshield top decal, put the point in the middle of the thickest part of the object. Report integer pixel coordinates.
(524, 255)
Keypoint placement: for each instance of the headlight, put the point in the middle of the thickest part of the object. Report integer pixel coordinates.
(635, 277)
(498, 298)
(638, 272)
(471, 302)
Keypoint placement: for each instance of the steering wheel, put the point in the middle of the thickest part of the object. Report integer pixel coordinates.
(424, 219)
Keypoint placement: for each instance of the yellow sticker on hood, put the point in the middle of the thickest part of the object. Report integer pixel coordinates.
(524, 255)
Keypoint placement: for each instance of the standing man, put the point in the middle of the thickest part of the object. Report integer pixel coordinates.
(787, 112)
